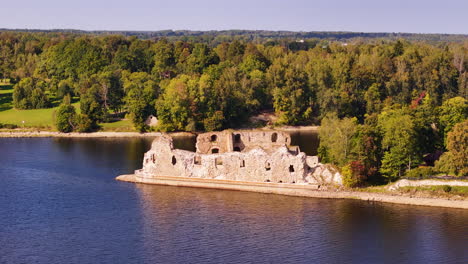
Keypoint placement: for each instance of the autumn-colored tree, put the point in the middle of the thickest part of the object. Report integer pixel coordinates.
(455, 160)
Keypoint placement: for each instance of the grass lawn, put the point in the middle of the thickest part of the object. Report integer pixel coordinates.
(124, 125)
(32, 118)
(43, 118)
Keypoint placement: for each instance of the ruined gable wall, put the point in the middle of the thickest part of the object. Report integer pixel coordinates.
(228, 141)
(206, 142)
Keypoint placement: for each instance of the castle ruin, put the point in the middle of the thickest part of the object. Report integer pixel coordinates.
(244, 156)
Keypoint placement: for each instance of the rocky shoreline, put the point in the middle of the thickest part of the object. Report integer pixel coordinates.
(103, 134)
(313, 191)
(31, 134)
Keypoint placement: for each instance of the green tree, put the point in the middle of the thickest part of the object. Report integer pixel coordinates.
(174, 105)
(337, 139)
(452, 111)
(65, 116)
(398, 143)
(29, 94)
(292, 102)
(64, 88)
(141, 91)
(200, 58)
(92, 106)
(164, 60)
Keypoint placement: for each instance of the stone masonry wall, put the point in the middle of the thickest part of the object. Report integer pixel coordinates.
(241, 141)
(278, 165)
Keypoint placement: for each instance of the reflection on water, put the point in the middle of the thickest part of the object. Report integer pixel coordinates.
(59, 203)
(241, 227)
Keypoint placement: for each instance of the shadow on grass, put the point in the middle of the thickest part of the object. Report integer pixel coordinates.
(54, 101)
(6, 97)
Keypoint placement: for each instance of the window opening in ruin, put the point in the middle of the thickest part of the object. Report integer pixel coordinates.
(291, 168)
(218, 161)
(237, 149)
(174, 160)
(267, 180)
(214, 138)
(197, 160)
(237, 138)
(274, 137)
(267, 166)
(280, 182)
(242, 164)
(153, 158)
(293, 182)
(215, 150)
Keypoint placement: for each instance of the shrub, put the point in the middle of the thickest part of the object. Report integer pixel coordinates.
(84, 123)
(420, 173)
(354, 174)
(8, 126)
(447, 188)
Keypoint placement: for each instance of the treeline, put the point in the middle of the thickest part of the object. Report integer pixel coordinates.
(196, 86)
(215, 37)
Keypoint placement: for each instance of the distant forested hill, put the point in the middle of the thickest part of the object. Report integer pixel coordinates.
(215, 37)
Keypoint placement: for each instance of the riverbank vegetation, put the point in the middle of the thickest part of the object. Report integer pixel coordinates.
(385, 106)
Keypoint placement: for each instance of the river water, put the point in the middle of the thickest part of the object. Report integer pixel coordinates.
(59, 203)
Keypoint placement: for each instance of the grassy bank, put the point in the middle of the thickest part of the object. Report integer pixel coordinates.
(427, 191)
(437, 190)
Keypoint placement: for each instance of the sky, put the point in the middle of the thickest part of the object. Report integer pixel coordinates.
(414, 16)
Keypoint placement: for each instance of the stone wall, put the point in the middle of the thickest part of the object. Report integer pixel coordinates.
(253, 164)
(241, 141)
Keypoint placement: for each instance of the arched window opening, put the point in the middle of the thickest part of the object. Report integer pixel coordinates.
(291, 168)
(214, 138)
(267, 166)
(215, 150)
(274, 137)
(174, 160)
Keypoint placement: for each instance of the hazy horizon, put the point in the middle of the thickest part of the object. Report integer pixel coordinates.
(398, 16)
(219, 30)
